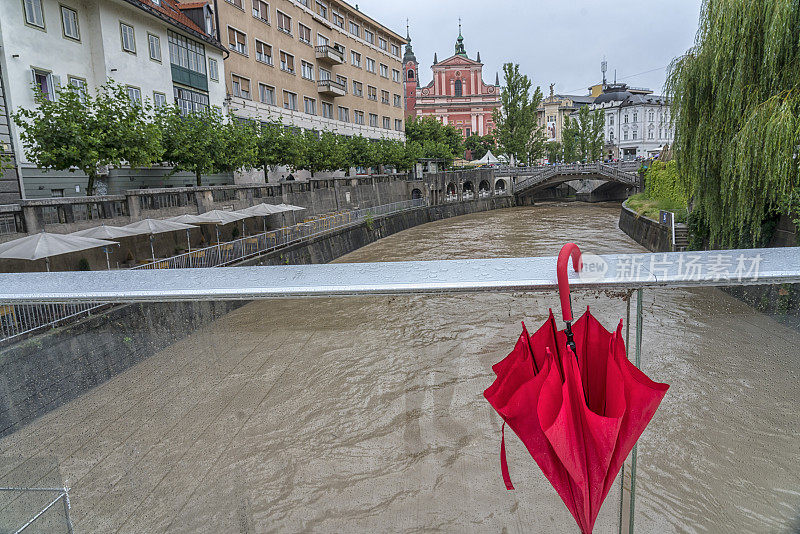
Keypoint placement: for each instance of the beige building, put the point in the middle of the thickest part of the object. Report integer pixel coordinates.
(553, 110)
(320, 65)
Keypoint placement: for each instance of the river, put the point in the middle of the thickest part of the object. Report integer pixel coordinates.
(367, 414)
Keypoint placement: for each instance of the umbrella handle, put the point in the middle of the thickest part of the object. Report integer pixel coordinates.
(567, 251)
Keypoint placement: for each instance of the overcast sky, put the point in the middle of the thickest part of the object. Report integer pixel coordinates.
(561, 42)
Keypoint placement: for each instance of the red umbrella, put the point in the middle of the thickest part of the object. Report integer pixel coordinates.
(575, 401)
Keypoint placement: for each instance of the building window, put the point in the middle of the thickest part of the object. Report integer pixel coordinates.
(384, 97)
(650, 134)
(338, 20)
(459, 88)
(386, 123)
(467, 132)
(322, 40)
(369, 36)
(304, 2)
(358, 88)
(324, 74)
(355, 58)
(284, 23)
(240, 86)
(266, 94)
(344, 114)
(342, 80)
(635, 116)
(287, 62)
(33, 13)
(370, 65)
(652, 115)
(237, 41)
(69, 23)
(237, 3)
(134, 94)
(634, 135)
(186, 53)
(44, 82)
(358, 117)
(611, 135)
(159, 99)
(398, 125)
(382, 44)
(263, 52)
(261, 10)
(322, 10)
(611, 120)
(327, 110)
(411, 74)
(398, 102)
(191, 101)
(355, 29)
(289, 101)
(395, 75)
(310, 105)
(395, 50)
(307, 70)
(624, 136)
(304, 34)
(154, 47)
(80, 85)
(373, 120)
(372, 93)
(128, 38)
(384, 70)
(625, 119)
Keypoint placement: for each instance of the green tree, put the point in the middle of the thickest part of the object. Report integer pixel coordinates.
(479, 145)
(553, 149)
(361, 152)
(78, 130)
(735, 106)
(192, 141)
(518, 134)
(238, 146)
(570, 141)
(588, 128)
(436, 139)
(269, 145)
(324, 152)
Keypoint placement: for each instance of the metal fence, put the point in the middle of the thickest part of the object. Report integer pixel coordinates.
(18, 320)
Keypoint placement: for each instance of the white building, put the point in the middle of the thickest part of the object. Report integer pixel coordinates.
(159, 49)
(637, 122)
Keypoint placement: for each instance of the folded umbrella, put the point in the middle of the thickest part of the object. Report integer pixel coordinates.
(575, 401)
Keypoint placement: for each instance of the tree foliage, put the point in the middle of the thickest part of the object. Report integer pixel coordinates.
(83, 131)
(735, 98)
(479, 145)
(582, 136)
(435, 139)
(518, 134)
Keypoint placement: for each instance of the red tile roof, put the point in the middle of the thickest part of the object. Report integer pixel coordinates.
(170, 10)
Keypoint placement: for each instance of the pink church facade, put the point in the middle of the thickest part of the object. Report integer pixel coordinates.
(457, 95)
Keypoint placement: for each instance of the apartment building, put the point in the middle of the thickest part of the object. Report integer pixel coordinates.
(159, 49)
(311, 64)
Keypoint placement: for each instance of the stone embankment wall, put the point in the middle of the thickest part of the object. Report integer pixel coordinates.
(45, 371)
(651, 234)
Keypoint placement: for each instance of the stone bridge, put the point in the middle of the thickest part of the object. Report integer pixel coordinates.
(619, 178)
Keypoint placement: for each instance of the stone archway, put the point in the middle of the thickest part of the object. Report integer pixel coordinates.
(500, 185)
(416, 194)
(484, 189)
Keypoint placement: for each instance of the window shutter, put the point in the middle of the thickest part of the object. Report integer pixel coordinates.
(56, 85)
(33, 81)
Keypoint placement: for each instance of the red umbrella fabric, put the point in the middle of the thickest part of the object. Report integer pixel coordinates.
(575, 401)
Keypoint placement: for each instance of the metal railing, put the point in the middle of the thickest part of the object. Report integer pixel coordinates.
(63, 498)
(21, 319)
(536, 175)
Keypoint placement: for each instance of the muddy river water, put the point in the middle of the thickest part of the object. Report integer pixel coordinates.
(367, 414)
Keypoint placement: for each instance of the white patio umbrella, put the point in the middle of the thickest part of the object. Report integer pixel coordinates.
(45, 244)
(221, 218)
(106, 232)
(289, 207)
(263, 210)
(156, 226)
(186, 218)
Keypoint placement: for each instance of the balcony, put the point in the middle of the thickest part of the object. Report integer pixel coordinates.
(331, 88)
(330, 54)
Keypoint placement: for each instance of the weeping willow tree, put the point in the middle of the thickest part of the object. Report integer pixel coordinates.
(735, 98)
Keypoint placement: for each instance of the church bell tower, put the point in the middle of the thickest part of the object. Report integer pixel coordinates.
(410, 78)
